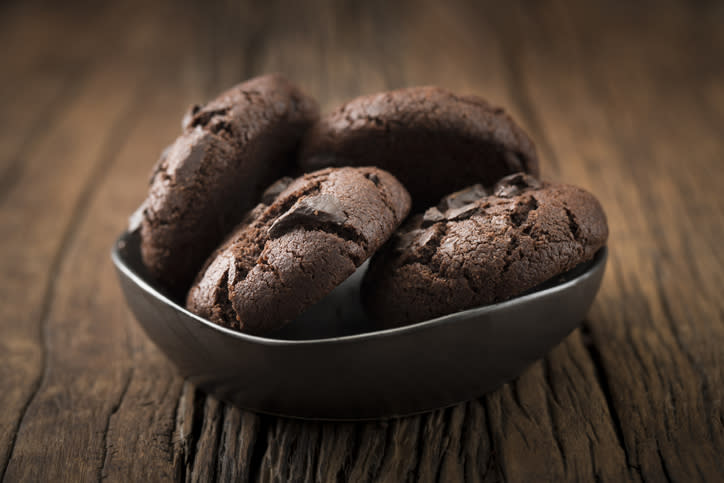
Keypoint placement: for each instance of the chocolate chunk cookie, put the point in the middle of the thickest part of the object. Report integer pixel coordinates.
(202, 185)
(434, 141)
(474, 249)
(289, 253)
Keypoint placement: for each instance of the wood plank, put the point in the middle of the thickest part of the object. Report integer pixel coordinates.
(634, 395)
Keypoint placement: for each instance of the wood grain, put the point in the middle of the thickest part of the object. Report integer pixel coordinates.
(625, 101)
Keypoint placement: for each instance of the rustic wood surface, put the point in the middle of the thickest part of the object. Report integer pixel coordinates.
(624, 100)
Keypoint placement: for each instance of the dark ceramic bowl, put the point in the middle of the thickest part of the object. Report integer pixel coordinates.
(369, 375)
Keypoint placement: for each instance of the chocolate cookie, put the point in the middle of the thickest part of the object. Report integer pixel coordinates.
(434, 141)
(474, 249)
(289, 253)
(202, 185)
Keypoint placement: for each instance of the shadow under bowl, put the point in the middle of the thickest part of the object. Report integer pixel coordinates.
(367, 375)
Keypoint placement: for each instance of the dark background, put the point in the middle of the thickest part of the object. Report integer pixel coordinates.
(625, 99)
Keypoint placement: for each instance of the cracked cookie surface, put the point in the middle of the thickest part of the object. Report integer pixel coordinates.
(432, 140)
(305, 238)
(231, 148)
(476, 248)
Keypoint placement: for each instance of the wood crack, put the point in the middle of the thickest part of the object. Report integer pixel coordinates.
(343, 474)
(216, 468)
(463, 433)
(260, 447)
(491, 463)
(419, 448)
(181, 453)
(600, 374)
(445, 446)
(663, 465)
(114, 410)
(551, 396)
(671, 320)
(197, 424)
(23, 412)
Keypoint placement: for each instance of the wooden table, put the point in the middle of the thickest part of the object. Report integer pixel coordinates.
(626, 101)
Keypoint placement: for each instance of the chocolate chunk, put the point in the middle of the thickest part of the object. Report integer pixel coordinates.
(432, 215)
(456, 206)
(406, 239)
(271, 193)
(189, 116)
(373, 177)
(417, 238)
(312, 212)
(462, 197)
(462, 212)
(211, 118)
(516, 184)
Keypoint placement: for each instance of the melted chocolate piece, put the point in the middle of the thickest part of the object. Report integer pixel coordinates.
(456, 206)
(189, 115)
(405, 240)
(516, 184)
(311, 212)
(373, 177)
(462, 212)
(432, 215)
(462, 197)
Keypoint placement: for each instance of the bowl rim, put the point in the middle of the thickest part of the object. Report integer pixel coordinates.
(598, 259)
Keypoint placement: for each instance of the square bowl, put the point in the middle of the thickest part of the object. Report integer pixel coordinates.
(366, 375)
